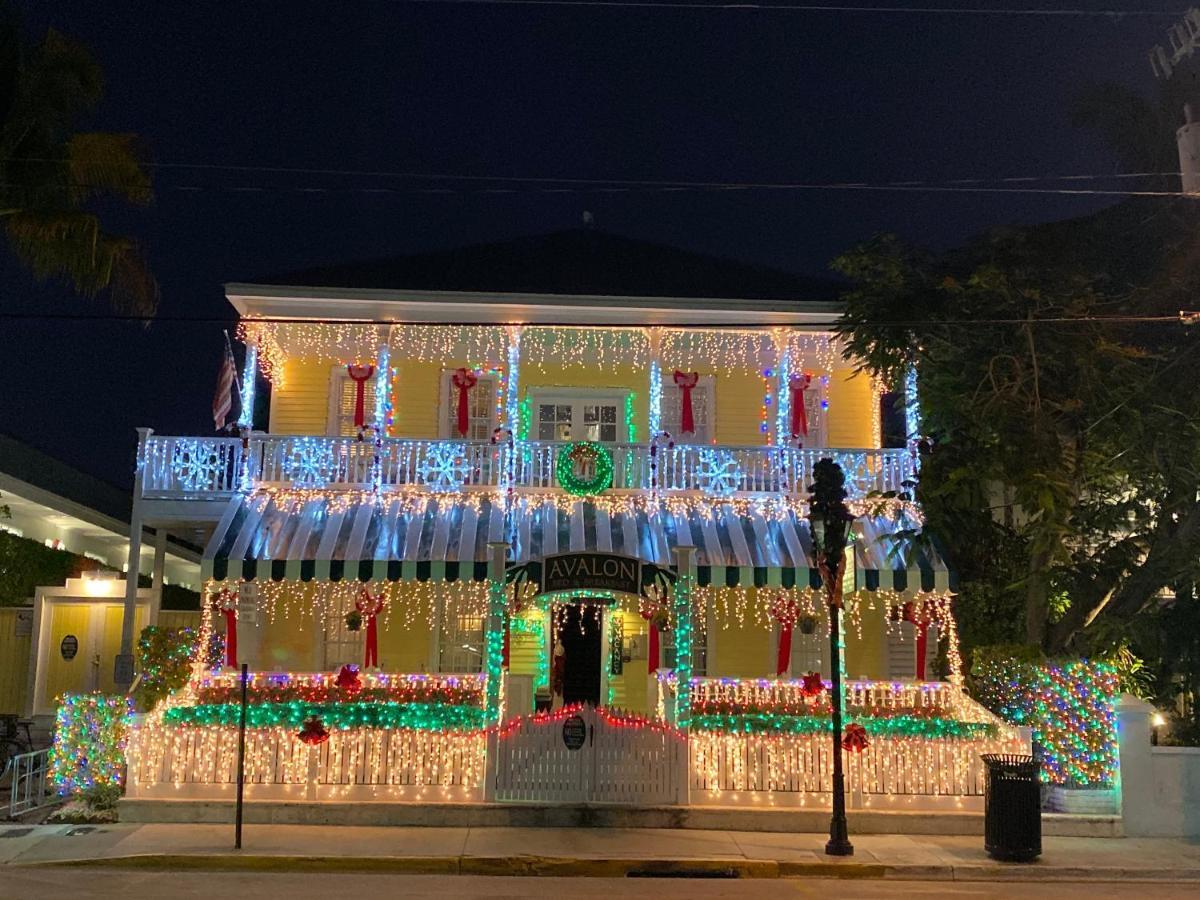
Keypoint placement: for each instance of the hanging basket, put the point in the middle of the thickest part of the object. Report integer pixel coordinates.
(353, 620)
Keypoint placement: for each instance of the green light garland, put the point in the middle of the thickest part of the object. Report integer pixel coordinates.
(493, 645)
(433, 717)
(682, 597)
(888, 726)
(90, 734)
(564, 469)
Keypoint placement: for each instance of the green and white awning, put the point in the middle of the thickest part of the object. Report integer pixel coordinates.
(402, 538)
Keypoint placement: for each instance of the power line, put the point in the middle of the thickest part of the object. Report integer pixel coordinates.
(605, 186)
(1183, 317)
(821, 8)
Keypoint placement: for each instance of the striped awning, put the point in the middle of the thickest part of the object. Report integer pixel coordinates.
(402, 538)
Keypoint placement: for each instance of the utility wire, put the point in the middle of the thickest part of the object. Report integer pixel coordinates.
(604, 186)
(1186, 318)
(823, 8)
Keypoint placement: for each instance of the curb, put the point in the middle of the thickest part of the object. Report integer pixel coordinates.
(559, 866)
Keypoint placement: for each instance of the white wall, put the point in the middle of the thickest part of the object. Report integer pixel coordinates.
(1160, 786)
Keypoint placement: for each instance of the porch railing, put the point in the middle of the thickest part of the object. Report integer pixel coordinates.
(212, 468)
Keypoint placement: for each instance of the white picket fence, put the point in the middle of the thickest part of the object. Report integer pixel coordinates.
(355, 764)
(642, 764)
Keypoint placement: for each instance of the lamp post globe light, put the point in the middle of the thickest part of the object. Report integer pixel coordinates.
(830, 519)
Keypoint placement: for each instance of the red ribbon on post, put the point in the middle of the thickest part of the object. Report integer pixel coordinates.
(225, 602)
(799, 384)
(686, 381)
(785, 612)
(652, 652)
(360, 375)
(464, 380)
(908, 614)
(369, 607)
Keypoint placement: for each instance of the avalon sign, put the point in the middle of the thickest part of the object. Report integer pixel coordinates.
(596, 571)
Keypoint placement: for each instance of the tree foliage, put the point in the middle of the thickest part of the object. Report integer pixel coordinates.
(50, 174)
(1064, 428)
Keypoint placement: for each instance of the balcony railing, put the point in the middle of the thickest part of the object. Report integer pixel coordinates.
(211, 468)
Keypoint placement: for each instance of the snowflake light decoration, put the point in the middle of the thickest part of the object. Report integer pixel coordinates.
(859, 478)
(444, 467)
(310, 463)
(196, 465)
(717, 472)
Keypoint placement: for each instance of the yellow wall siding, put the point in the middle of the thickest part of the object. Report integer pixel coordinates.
(741, 652)
(404, 639)
(179, 618)
(851, 410)
(301, 406)
(527, 644)
(14, 661)
(739, 408)
(866, 656)
(287, 644)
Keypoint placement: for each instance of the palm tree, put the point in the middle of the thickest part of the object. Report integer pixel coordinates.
(50, 173)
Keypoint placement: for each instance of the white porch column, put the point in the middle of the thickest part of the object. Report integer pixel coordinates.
(157, 573)
(783, 390)
(1139, 808)
(512, 382)
(654, 393)
(123, 664)
(249, 382)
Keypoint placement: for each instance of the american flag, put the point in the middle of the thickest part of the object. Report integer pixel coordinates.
(223, 398)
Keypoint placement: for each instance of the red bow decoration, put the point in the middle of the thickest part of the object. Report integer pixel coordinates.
(654, 617)
(313, 732)
(464, 380)
(686, 381)
(908, 613)
(349, 680)
(812, 684)
(369, 607)
(785, 612)
(799, 384)
(359, 375)
(855, 738)
(226, 602)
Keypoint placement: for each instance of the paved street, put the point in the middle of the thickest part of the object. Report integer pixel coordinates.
(73, 883)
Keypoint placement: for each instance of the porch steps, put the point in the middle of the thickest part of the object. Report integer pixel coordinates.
(522, 815)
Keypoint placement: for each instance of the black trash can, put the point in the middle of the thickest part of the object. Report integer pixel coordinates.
(1012, 819)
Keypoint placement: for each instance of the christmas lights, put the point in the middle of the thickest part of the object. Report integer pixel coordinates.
(90, 735)
(249, 378)
(366, 714)
(592, 456)
(654, 399)
(1071, 709)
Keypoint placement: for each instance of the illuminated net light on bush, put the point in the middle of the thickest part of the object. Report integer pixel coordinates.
(90, 735)
(1069, 707)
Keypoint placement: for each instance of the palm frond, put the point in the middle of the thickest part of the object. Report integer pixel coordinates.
(100, 162)
(60, 244)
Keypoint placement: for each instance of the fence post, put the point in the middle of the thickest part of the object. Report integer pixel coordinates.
(1135, 773)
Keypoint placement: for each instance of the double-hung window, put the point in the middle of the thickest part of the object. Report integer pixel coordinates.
(343, 399)
(703, 410)
(481, 408)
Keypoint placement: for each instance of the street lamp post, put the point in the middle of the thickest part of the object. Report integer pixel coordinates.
(830, 520)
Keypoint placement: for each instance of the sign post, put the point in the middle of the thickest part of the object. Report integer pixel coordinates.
(241, 762)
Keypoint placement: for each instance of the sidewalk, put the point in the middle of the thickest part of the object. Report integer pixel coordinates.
(585, 852)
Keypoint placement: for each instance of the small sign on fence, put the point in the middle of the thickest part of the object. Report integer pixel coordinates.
(574, 731)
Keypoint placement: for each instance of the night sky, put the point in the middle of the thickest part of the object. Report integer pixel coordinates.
(534, 92)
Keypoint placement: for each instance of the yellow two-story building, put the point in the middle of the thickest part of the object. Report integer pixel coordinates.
(548, 473)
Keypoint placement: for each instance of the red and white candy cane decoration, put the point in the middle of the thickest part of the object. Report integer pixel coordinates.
(784, 611)
(225, 602)
(686, 381)
(504, 436)
(369, 607)
(360, 375)
(464, 379)
(661, 440)
(798, 384)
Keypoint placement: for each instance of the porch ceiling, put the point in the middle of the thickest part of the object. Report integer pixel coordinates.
(406, 537)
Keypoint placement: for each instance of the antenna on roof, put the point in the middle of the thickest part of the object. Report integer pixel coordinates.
(588, 219)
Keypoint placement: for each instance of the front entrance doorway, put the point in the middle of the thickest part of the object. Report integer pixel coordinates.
(579, 636)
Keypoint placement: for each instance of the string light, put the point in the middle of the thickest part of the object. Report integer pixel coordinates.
(90, 735)
(1071, 709)
(654, 399)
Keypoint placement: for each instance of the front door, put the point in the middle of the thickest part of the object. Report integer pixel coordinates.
(579, 635)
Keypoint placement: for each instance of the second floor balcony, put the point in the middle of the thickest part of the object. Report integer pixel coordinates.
(199, 468)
